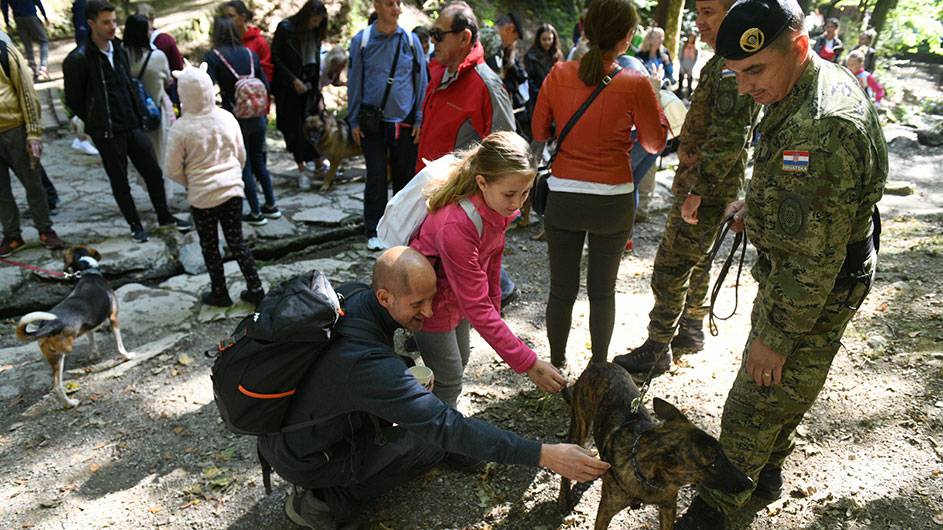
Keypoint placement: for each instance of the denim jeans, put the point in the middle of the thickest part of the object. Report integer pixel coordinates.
(256, 168)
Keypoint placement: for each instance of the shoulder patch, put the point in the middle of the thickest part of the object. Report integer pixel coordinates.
(795, 161)
(791, 215)
(726, 72)
(726, 101)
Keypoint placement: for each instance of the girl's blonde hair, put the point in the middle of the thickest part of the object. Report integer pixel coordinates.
(650, 37)
(499, 154)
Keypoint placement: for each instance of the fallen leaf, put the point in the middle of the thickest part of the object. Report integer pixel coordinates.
(93, 467)
(221, 482)
(154, 509)
(184, 359)
(49, 503)
(226, 454)
(71, 387)
(212, 472)
(179, 430)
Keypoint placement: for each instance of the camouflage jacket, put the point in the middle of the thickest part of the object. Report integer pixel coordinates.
(712, 153)
(491, 42)
(820, 167)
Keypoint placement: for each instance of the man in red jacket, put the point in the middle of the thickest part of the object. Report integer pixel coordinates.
(465, 100)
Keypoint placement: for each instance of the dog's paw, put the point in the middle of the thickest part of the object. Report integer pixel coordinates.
(325, 187)
(69, 403)
(128, 355)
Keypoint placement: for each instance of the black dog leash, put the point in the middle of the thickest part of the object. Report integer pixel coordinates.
(740, 240)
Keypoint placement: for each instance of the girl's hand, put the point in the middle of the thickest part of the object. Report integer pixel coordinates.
(546, 377)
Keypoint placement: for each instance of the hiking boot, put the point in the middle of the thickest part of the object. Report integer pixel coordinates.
(307, 511)
(769, 485)
(641, 359)
(51, 240)
(139, 234)
(701, 516)
(216, 298)
(182, 225)
(270, 211)
(9, 245)
(690, 337)
(254, 219)
(253, 296)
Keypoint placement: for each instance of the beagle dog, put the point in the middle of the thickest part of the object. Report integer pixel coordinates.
(90, 305)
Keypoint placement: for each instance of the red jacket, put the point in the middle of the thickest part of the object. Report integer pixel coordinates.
(470, 107)
(468, 277)
(254, 40)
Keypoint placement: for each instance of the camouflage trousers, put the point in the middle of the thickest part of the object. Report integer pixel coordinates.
(681, 273)
(759, 423)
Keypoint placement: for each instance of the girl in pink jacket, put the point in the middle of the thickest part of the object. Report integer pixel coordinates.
(494, 179)
(205, 153)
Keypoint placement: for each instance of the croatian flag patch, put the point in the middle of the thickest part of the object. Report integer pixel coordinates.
(795, 161)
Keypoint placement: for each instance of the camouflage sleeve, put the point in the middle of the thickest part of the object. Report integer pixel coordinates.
(806, 211)
(694, 130)
(721, 165)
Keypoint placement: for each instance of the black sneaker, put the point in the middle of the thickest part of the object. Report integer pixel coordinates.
(690, 337)
(769, 485)
(139, 234)
(216, 299)
(641, 359)
(701, 516)
(182, 225)
(253, 296)
(271, 211)
(9, 245)
(307, 511)
(254, 219)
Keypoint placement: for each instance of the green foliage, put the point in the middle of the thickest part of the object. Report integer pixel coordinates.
(914, 26)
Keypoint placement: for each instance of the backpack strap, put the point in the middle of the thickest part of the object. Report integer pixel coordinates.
(473, 214)
(229, 66)
(144, 66)
(251, 63)
(5, 58)
(266, 471)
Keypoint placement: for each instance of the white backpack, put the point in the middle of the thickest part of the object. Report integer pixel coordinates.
(406, 211)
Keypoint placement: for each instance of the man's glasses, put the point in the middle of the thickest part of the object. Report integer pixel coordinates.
(437, 34)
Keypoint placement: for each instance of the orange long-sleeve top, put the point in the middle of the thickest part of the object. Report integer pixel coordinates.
(597, 148)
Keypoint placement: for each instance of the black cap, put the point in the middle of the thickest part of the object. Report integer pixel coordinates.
(752, 25)
(517, 24)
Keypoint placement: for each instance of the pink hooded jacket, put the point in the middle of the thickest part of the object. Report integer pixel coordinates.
(450, 240)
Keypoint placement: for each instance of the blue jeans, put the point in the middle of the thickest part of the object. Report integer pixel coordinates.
(507, 284)
(253, 135)
(642, 162)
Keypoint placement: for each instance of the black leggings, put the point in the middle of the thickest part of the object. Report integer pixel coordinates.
(229, 215)
(570, 217)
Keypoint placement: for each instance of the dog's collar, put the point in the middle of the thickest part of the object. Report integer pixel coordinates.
(94, 271)
(638, 428)
(633, 459)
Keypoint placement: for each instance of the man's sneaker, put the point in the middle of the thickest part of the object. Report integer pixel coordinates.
(51, 240)
(85, 147)
(701, 516)
(9, 245)
(641, 359)
(374, 243)
(216, 299)
(769, 485)
(253, 296)
(307, 511)
(254, 219)
(182, 225)
(690, 337)
(271, 211)
(139, 234)
(304, 181)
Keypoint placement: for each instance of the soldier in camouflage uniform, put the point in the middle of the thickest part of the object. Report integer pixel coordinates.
(710, 175)
(819, 169)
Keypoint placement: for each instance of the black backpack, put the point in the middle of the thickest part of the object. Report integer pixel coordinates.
(258, 368)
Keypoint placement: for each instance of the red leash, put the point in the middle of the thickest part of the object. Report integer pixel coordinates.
(27, 266)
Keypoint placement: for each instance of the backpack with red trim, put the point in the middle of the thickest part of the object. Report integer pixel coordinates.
(258, 368)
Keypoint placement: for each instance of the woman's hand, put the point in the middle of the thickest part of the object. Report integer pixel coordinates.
(572, 461)
(546, 377)
(300, 87)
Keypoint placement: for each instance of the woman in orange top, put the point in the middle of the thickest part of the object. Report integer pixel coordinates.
(591, 183)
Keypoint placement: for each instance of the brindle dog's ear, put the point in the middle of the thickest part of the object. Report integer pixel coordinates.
(95, 254)
(666, 411)
(67, 257)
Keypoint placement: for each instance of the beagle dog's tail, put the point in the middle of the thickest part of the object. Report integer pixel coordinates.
(33, 325)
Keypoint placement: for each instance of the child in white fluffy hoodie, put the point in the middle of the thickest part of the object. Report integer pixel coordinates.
(205, 153)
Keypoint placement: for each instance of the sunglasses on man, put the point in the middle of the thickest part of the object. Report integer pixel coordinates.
(437, 34)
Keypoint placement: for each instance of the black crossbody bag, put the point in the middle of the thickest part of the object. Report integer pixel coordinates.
(541, 187)
(370, 116)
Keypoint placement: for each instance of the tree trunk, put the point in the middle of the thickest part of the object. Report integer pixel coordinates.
(660, 15)
(673, 26)
(879, 17)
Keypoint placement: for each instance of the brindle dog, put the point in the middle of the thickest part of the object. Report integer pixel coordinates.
(332, 138)
(650, 460)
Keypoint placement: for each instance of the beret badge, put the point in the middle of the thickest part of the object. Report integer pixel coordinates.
(752, 40)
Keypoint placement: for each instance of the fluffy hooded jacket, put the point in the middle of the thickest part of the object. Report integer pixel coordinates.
(205, 151)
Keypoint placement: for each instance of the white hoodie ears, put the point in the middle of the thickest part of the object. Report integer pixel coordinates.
(204, 66)
(186, 64)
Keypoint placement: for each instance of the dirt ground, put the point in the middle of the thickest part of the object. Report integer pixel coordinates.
(146, 448)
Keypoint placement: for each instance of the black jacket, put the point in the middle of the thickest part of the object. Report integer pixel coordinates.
(101, 95)
(287, 59)
(355, 381)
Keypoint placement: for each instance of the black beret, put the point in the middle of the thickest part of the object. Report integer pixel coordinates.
(752, 25)
(517, 24)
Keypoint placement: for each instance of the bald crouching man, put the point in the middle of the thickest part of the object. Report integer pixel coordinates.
(376, 426)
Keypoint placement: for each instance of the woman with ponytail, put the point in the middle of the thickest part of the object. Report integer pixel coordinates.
(463, 236)
(591, 190)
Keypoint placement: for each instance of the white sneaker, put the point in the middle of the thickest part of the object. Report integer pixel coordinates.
(304, 182)
(374, 244)
(84, 146)
(309, 166)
